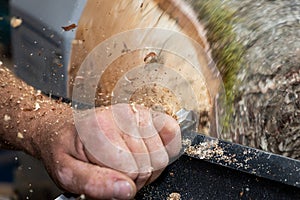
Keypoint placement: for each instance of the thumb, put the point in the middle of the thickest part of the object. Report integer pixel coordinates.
(93, 181)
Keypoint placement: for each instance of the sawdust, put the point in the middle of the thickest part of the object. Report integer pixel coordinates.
(210, 150)
(69, 27)
(7, 118)
(21, 105)
(20, 135)
(158, 98)
(16, 22)
(174, 196)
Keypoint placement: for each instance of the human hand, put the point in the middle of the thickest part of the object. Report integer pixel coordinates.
(131, 156)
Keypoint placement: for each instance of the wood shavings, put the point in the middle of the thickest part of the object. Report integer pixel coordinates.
(38, 92)
(174, 196)
(186, 142)
(133, 106)
(126, 78)
(77, 42)
(1, 63)
(37, 106)
(204, 150)
(69, 27)
(210, 150)
(20, 135)
(151, 57)
(16, 22)
(7, 118)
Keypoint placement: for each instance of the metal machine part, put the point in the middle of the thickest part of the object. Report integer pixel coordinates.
(242, 158)
(41, 47)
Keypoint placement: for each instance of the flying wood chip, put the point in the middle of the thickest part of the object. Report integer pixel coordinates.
(70, 27)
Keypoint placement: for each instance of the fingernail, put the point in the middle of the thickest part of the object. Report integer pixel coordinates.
(123, 190)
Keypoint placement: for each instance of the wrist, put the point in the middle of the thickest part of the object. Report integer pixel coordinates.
(54, 119)
(26, 115)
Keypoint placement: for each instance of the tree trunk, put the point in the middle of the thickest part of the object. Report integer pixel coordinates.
(267, 107)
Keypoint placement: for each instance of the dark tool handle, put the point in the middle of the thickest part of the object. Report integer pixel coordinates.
(252, 161)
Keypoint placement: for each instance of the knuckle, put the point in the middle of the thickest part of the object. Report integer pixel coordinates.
(94, 187)
(172, 126)
(65, 178)
(145, 176)
(132, 175)
(160, 159)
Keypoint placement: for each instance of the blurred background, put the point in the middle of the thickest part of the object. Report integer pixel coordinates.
(7, 158)
(4, 27)
(4, 30)
(21, 177)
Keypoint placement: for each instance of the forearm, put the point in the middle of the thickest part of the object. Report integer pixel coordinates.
(25, 114)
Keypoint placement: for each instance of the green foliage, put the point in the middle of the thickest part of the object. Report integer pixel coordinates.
(227, 52)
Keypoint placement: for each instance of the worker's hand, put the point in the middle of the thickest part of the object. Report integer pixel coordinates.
(130, 148)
